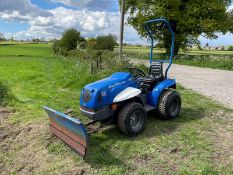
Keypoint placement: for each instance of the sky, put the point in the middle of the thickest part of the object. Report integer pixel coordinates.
(47, 19)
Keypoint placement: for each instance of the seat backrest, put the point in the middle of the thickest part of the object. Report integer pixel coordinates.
(156, 70)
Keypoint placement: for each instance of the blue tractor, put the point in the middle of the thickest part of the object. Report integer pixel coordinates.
(122, 99)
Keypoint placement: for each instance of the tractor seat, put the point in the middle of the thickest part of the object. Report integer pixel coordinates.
(150, 79)
(155, 76)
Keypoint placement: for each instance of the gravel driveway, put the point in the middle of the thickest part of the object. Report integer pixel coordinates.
(213, 83)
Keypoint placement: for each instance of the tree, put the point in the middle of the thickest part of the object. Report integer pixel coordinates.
(36, 40)
(188, 18)
(70, 39)
(106, 42)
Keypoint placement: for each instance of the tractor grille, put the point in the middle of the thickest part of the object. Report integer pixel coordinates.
(86, 95)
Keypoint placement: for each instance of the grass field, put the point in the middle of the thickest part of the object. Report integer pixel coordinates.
(198, 142)
(25, 50)
(206, 58)
(143, 49)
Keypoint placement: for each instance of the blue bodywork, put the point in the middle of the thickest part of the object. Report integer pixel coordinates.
(153, 97)
(108, 89)
(100, 94)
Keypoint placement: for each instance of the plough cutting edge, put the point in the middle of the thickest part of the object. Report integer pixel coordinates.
(70, 130)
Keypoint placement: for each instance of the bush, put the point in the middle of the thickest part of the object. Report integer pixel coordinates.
(230, 48)
(79, 54)
(92, 54)
(82, 44)
(56, 46)
(106, 42)
(107, 59)
(91, 43)
(102, 43)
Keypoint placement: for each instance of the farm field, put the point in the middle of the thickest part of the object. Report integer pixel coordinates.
(143, 49)
(206, 58)
(25, 50)
(197, 142)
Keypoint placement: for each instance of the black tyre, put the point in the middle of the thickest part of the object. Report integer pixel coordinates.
(132, 119)
(169, 104)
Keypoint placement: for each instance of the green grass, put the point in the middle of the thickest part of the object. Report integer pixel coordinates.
(146, 50)
(26, 50)
(15, 43)
(210, 59)
(214, 62)
(56, 81)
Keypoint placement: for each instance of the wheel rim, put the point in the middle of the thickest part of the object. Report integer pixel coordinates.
(174, 107)
(137, 120)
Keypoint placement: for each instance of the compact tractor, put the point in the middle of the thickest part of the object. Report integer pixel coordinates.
(123, 99)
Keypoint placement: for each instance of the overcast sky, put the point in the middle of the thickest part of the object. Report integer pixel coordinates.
(26, 19)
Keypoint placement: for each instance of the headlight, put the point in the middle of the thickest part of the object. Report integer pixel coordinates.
(99, 99)
(86, 96)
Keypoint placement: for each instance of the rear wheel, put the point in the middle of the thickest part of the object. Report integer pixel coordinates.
(169, 104)
(132, 119)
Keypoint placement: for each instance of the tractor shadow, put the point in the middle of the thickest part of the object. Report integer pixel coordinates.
(110, 147)
(157, 126)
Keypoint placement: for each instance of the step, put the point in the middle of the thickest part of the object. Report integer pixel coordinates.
(149, 108)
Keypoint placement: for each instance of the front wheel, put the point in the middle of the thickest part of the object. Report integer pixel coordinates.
(169, 104)
(132, 119)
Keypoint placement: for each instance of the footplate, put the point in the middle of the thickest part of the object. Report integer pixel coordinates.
(70, 130)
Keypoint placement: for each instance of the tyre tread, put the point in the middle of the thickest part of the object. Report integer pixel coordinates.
(124, 112)
(162, 104)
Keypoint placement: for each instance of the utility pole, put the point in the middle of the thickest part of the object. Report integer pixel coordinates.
(122, 23)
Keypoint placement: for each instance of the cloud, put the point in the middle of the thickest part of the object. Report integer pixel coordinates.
(84, 20)
(23, 10)
(95, 5)
(51, 24)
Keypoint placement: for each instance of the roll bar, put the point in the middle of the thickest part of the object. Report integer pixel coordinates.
(147, 27)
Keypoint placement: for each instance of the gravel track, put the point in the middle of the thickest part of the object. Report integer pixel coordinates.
(213, 83)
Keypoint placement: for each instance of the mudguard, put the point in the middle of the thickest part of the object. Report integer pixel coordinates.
(153, 97)
(70, 130)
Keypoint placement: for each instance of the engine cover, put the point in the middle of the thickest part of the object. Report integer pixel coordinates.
(102, 93)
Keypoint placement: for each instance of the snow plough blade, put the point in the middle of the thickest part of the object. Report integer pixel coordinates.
(70, 130)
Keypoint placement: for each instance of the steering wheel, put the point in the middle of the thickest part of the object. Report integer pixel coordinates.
(136, 72)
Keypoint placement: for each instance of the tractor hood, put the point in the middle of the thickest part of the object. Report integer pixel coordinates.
(102, 93)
